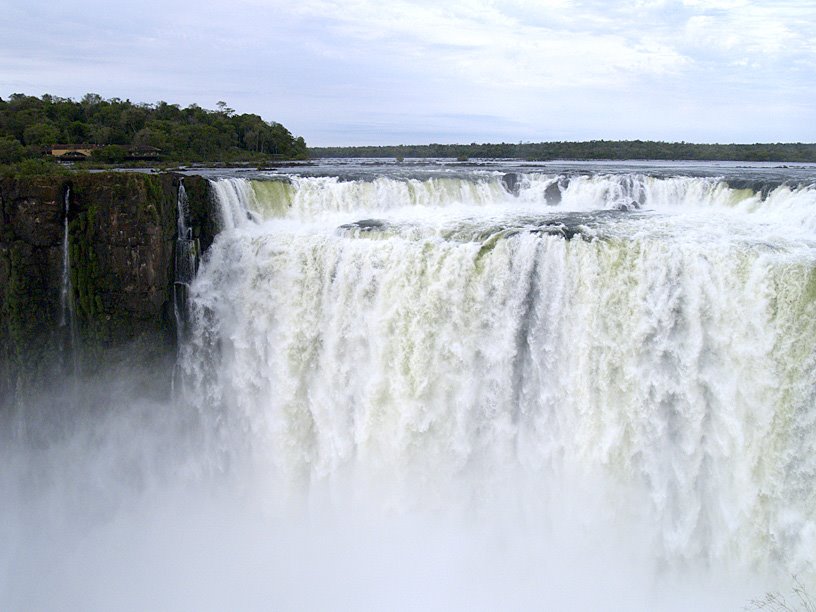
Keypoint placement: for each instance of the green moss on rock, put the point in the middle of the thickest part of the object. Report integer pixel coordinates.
(122, 230)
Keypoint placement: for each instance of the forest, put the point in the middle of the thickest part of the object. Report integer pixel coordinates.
(29, 126)
(588, 150)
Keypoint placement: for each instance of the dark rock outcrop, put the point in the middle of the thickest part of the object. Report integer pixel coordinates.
(365, 225)
(511, 182)
(122, 230)
(30, 264)
(552, 194)
(203, 218)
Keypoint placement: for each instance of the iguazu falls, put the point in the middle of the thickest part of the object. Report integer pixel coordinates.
(426, 385)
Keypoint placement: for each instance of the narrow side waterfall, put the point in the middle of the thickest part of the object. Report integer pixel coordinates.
(186, 261)
(186, 264)
(66, 293)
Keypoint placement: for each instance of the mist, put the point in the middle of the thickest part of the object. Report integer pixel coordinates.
(121, 506)
(428, 391)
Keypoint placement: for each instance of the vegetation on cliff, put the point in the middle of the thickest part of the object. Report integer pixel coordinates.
(594, 149)
(30, 125)
(121, 238)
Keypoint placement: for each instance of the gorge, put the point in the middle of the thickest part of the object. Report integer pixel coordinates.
(408, 385)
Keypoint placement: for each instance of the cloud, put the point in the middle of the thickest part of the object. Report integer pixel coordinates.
(517, 43)
(575, 68)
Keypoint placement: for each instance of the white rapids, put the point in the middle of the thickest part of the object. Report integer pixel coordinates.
(448, 388)
(443, 343)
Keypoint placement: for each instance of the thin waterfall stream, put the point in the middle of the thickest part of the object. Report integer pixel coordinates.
(67, 318)
(186, 263)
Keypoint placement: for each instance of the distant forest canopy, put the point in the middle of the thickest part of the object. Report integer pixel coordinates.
(30, 125)
(593, 149)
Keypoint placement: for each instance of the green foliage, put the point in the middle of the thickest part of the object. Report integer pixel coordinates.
(84, 271)
(110, 154)
(590, 150)
(151, 203)
(41, 134)
(33, 167)
(184, 135)
(10, 150)
(27, 341)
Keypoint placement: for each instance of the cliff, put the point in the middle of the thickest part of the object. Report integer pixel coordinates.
(121, 241)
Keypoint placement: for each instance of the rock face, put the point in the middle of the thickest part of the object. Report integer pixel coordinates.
(552, 194)
(30, 267)
(511, 183)
(121, 245)
(121, 237)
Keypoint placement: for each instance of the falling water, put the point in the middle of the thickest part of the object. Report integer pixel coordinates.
(66, 292)
(448, 390)
(235, 198)
(186, 262)
(469, 343)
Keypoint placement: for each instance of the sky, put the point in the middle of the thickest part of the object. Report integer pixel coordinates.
(357, 72)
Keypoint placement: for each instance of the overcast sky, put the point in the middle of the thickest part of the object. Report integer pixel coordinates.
(417, 71)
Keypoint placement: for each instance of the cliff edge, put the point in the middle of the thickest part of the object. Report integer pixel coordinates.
(107, 298)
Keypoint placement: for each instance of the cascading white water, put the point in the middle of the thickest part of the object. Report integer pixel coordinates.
(186, 258)
(446, 389)
(235, 201)
(66, 292)
(661, 363)
(186, 263)
(309, 199)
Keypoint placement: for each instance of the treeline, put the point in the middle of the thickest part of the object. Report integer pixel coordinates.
(30, 125)
(589, 150)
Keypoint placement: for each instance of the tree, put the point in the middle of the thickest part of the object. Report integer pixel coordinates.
(91, 99)
(193, 133)
(100, 134)
(41, 134)
(150, 137)
(10, 150)
(112, 154)
(77, 131)
(224, 109)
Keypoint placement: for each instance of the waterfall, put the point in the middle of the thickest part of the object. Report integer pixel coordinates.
(186, 260)
(186, 263)
(66, 291)
(235, 202)
(409, 389)
(661, 358)
(329, 198)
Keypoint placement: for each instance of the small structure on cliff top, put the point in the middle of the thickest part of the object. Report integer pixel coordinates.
(81, 152)
(72, 152)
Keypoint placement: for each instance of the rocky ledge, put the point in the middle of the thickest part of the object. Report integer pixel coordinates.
(121, 240)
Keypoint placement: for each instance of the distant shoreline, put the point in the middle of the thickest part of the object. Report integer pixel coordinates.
(595, 150)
